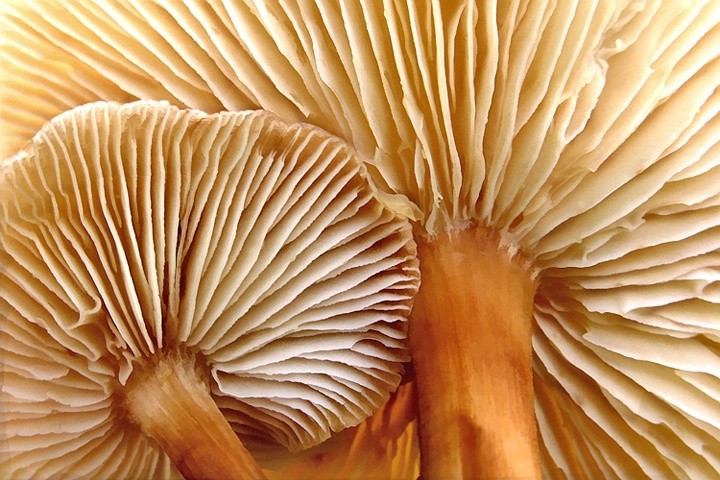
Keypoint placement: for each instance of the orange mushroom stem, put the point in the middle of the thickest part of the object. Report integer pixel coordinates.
(170, 399)
(470, 335)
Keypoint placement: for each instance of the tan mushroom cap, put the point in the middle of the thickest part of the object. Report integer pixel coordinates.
(130, 230)
(585, 132)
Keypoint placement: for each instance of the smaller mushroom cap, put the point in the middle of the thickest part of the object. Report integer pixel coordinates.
(132, 230)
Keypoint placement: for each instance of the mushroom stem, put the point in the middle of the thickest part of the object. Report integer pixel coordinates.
(172, 404)
(470, 335)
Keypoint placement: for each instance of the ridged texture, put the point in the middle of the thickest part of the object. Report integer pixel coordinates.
(130, 229)
(586, 132)
(58, 416)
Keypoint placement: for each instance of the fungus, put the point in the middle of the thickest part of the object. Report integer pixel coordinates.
(566, 151)
(169, 274)
(382, 447)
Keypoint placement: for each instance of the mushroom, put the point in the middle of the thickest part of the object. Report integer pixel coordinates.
(168, 275)
(560, 163)
(382, 447)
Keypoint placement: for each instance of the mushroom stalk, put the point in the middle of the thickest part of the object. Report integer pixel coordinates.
(470, 335)
(172, 404)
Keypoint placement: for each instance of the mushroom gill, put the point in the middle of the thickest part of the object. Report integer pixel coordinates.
(568, 147)
(161, 266)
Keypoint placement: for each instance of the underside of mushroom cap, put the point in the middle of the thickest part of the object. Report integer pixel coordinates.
(585, 132)
(131, 230)
(521, 116)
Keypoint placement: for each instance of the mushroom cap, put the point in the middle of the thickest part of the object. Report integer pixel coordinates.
(131, 230)
(585, 132)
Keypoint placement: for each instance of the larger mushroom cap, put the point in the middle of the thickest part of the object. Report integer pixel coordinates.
(584, 133)
(256, 248)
